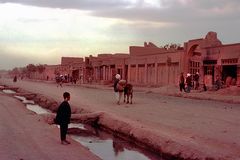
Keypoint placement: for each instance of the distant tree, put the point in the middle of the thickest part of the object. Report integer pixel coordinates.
(40, 68)
(172, 46)
(14, 71)
(31, 68)
(28, 70)
(24, 72)
(166, 46)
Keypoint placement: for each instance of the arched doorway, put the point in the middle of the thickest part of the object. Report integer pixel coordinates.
(195, 59)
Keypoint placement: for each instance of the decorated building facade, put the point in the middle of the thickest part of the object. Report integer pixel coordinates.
(211, 59)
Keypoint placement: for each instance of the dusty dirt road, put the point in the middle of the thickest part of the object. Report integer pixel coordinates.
(209, 125)
(25, 136)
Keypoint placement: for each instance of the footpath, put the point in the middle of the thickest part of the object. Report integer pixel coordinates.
(229, 94)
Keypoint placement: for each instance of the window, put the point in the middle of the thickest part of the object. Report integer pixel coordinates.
(194, 67)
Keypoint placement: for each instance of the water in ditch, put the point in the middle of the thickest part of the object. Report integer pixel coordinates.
(24, 100)
(37, 109)
(32, 106)
(102, 144)
(8, 91)
(109, 147)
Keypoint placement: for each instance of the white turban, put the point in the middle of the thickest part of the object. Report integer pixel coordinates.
(118, 76)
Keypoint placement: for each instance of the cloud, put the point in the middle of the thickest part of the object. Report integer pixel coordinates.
(72, 4)
(147, 10)
(179, 11)
(96, 26)
(36, 20)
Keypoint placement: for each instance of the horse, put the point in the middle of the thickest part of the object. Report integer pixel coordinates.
(128, 92)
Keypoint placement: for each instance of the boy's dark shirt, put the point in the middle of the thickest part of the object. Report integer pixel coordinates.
(63, 113)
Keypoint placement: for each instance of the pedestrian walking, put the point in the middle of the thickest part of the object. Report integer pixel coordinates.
(63, 117)
(118, 87)
(15, 79)
(116, 80)
(218, 83)
(196, 81)
(189, 83)
(181, 82)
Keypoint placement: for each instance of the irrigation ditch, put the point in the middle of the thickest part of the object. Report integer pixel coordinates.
(107, 135)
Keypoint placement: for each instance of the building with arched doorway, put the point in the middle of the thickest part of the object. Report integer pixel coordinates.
(209, 57)
(149, 65)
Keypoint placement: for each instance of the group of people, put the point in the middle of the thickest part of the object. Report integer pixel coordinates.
(190, 82)
(60, 79)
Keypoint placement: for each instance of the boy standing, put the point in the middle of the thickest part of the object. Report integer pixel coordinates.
(63, 117)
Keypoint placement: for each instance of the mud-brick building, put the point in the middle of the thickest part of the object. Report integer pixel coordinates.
(75, 66)
(211, 58)
(150, 65)
(153, 66)
(102, 69)
(50, 71)
(147, 65)
(70, 67)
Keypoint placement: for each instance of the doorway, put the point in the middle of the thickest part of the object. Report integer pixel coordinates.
(209, 71)
(229, 71)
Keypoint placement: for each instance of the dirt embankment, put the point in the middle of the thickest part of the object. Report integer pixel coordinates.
(130, 130)
(25, 135)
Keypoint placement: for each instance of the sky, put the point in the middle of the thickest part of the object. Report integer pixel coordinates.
(42, 31)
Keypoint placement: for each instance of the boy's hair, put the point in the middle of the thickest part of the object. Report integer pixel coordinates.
(66, 95)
